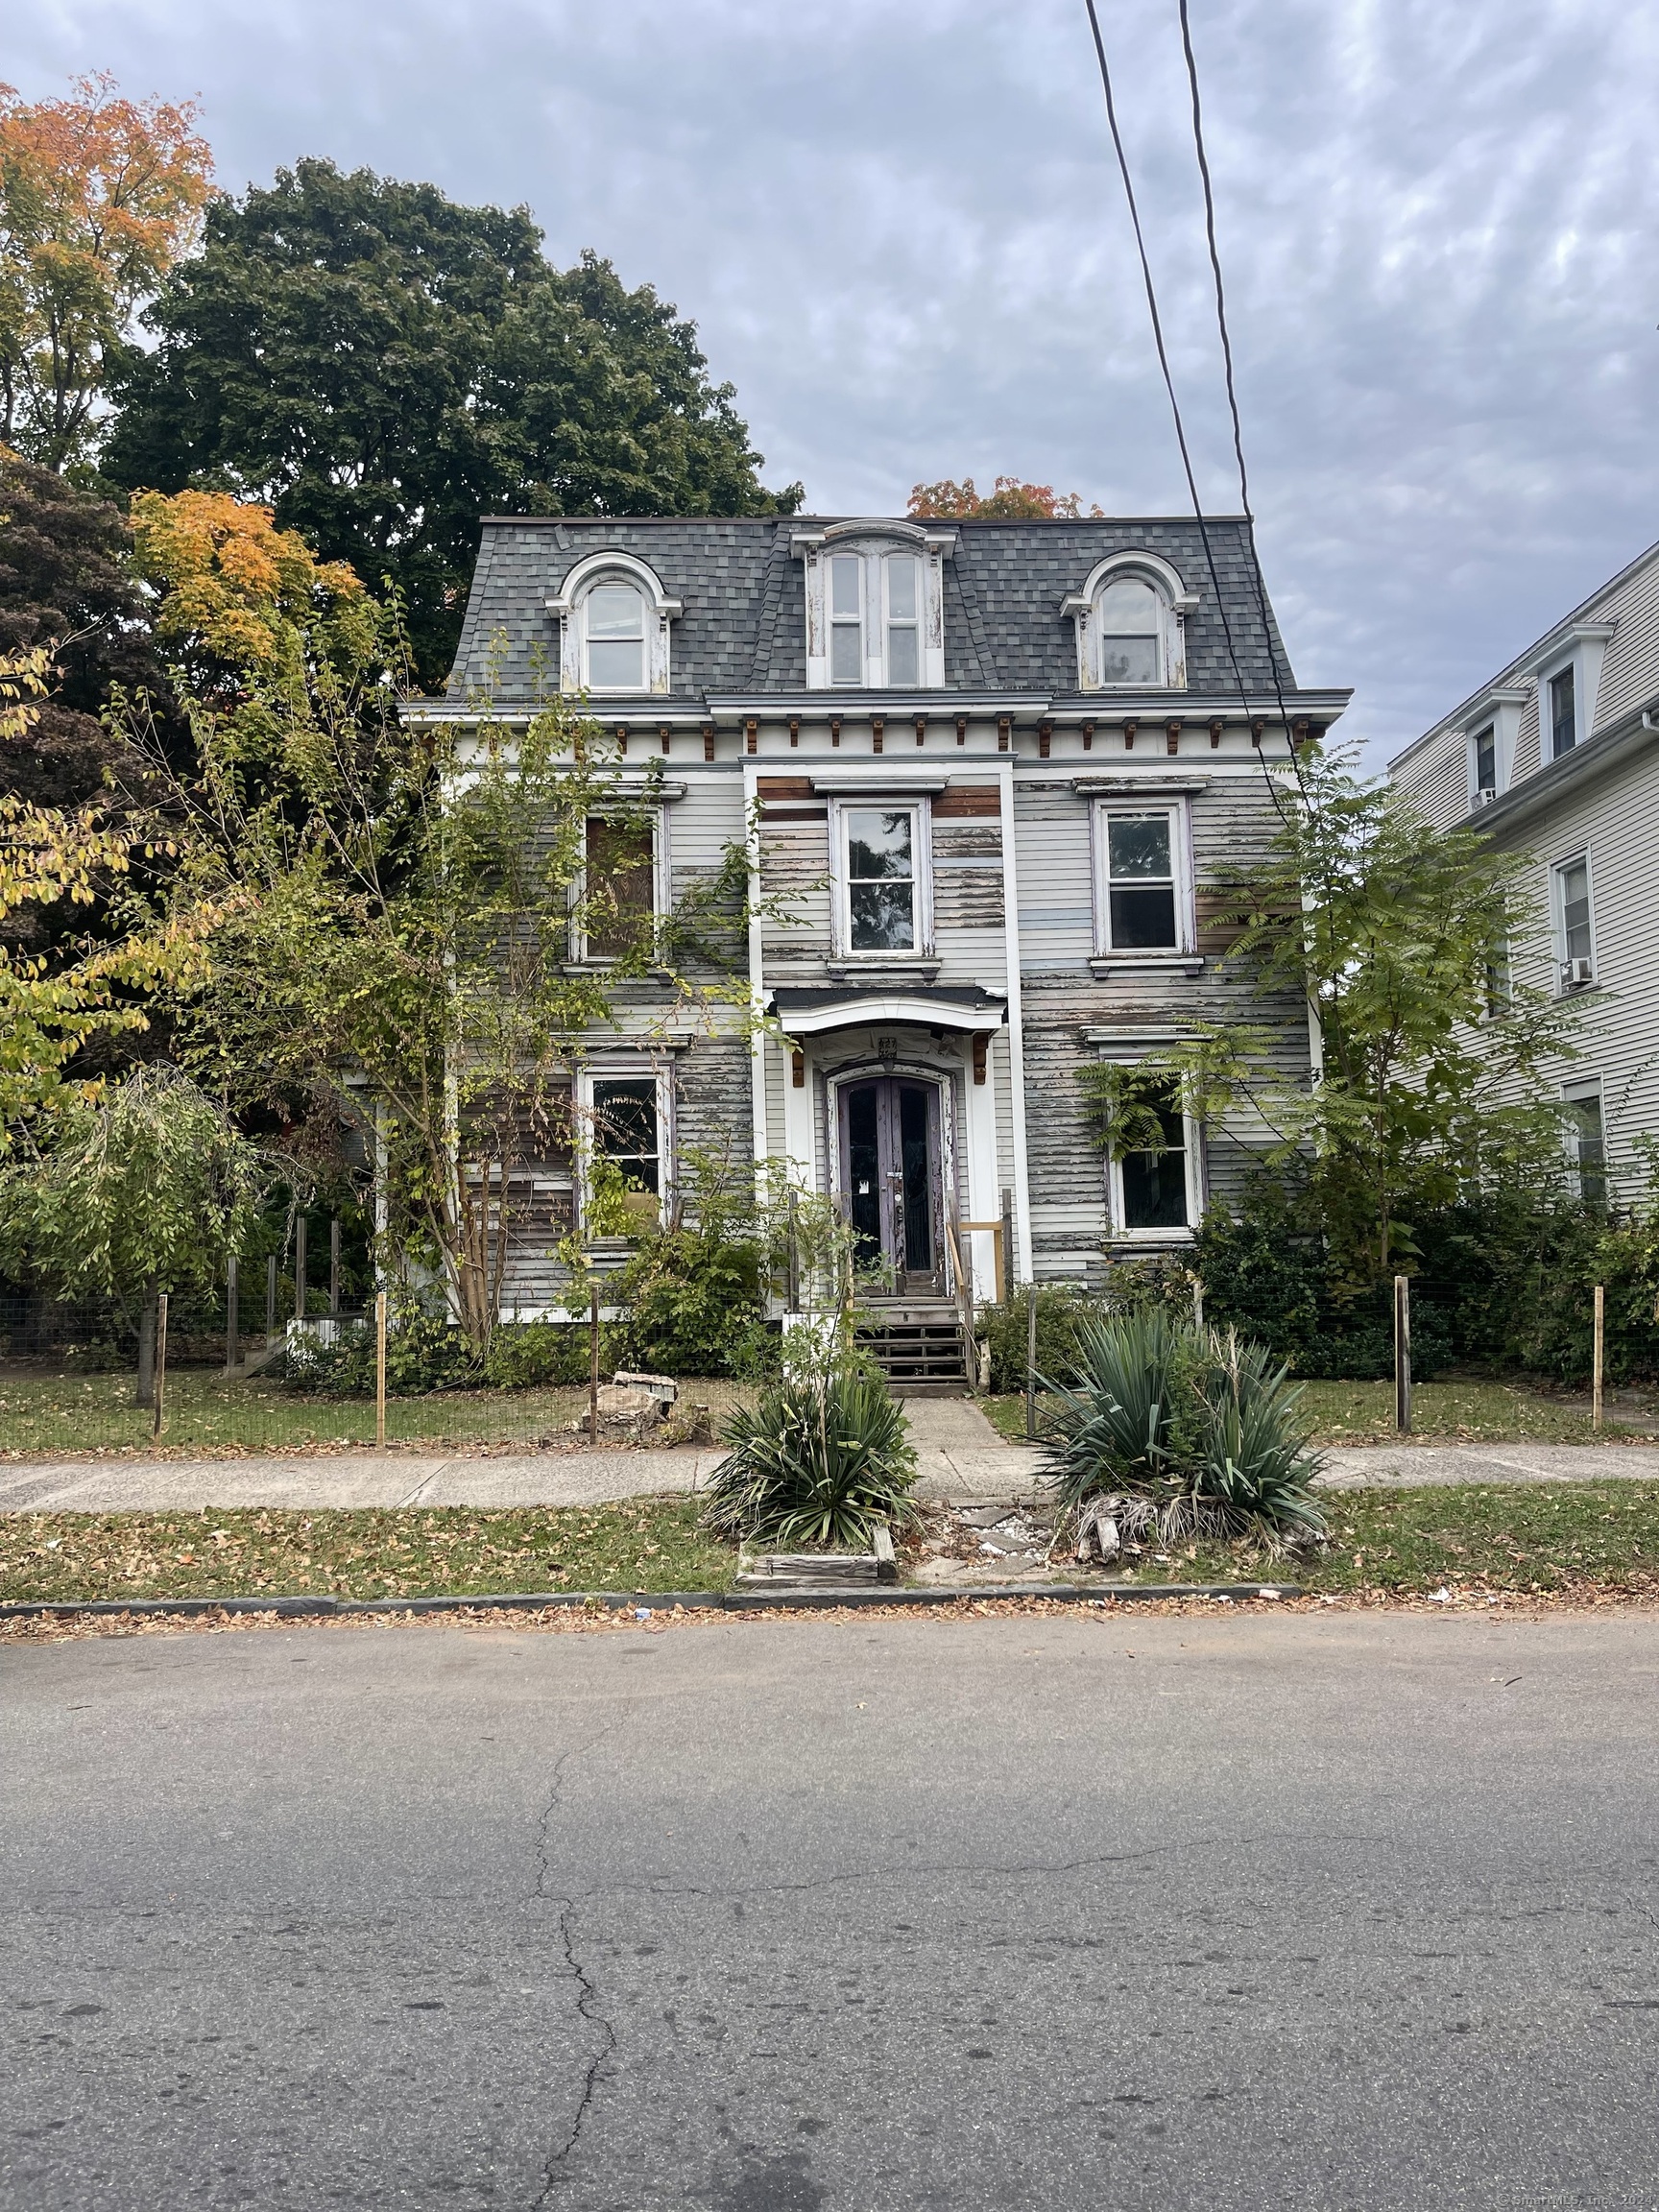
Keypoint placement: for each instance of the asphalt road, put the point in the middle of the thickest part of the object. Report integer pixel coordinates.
(1344, 1911)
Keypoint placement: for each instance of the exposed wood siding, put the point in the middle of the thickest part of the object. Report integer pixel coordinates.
(1232, 823)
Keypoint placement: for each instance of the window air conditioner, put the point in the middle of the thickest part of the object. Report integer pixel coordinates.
(1485, 798)
(1577, 971)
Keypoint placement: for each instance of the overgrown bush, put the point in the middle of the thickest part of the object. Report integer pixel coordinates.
(1266, 1273)
(1132, 1285)
(1178, 1430)
(695, 1299)
(818, 1463)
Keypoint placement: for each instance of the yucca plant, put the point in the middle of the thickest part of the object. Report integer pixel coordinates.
(1112, 1426)
(1167, 1429)
(817, 1465)
(1253, 1457)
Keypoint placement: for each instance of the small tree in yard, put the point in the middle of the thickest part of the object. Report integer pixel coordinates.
(1396, 937)
(148, 1187)
(397, 902)
(59, 990)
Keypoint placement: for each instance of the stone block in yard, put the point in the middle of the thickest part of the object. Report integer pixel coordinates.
(662, 1387)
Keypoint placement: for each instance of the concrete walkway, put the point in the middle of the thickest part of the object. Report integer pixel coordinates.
(961, 1457)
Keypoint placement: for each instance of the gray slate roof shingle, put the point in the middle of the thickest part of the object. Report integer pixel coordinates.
(743, 625)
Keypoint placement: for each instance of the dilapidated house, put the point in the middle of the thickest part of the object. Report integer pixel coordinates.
(986, 769)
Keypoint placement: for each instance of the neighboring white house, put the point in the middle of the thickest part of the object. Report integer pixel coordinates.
(1559, 756)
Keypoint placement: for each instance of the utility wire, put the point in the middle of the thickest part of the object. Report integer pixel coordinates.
(1170, 384)
(1227, 366)
(1163, 353)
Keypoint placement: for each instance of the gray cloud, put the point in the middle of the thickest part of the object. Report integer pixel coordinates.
(901, 236)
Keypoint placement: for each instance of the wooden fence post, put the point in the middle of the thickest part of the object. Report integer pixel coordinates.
(270, 1301)
(1402, 1354)
(146, 1391)
(160, 1361)
(379, 1367)
(233, 1317)
(335, 1266)
(1031, 1358)
(1600, 1352)
(299, 1269)
(594, 1361)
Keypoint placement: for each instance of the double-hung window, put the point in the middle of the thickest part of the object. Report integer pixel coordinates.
(1563, 711)
(882, 871)
(1575, 924)
(1142, 884)
(847, 618)
(618, 893)
(625, 1134)
(614, 621)
(1485, 752)
(1154, 1187)
(1131, 620)
(1586, 1143)
(901, 578)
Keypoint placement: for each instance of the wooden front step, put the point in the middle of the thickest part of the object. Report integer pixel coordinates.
(917, 1349)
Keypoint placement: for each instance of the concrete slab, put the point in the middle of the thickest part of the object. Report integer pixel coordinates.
(354, 1480)
(1412, 1466)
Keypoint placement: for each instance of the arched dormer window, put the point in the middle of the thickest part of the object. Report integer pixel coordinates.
(875, 606)
(614, 618)
(1131, 627)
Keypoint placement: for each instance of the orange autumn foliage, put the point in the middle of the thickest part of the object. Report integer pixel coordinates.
(99, 197)
(1012, 501)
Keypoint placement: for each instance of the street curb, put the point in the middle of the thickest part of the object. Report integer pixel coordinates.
(635, 1600)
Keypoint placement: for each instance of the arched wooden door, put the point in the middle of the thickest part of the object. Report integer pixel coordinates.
(892, 1180)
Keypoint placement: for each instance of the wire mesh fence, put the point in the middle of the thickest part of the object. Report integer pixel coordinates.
(78, 1380)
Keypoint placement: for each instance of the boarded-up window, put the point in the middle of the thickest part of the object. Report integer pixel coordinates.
(619, 896)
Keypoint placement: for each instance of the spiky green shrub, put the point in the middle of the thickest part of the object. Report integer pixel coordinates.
(1180, 1431)
(816, 1464)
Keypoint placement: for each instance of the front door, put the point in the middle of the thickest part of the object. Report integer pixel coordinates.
(891, 1177)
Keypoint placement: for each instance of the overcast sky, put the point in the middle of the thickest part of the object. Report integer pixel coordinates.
(897, 228)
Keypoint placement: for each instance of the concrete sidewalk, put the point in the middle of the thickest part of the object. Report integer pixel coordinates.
(961, 1457)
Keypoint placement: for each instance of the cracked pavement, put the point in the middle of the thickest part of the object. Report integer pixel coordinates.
(1346, 1911)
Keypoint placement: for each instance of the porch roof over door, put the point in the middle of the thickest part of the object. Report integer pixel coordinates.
(805, 1012)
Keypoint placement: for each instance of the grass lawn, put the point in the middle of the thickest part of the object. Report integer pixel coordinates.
(1465, 1412)
(1519, 1537)
(44, 1415)
(641, 1544)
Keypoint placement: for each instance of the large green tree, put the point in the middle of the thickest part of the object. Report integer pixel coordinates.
(66, 586)
(382, 367)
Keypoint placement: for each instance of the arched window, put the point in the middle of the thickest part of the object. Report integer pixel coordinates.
(1130, 629)
(874, 607)
(613, 616)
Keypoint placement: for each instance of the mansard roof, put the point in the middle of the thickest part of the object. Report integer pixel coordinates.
(742, 626)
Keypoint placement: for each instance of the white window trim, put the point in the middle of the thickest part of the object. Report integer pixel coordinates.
(1175, 601)
(922, 856)
(1475, 794)
(1194, 1163)
(621, 1068)
(657, 823)
(1184, 952)
(1546, 752)
(569, 605)
(1558, 920)
(1498, 711)
(873, 541)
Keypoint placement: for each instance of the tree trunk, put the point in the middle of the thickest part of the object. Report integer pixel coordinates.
(147, 1351)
